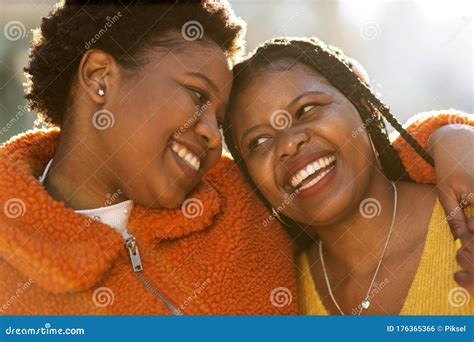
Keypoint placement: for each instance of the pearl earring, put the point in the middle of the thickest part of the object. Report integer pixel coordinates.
(101, 92)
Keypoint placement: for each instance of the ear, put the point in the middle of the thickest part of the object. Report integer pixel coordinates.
(359, 70)
(97, 70)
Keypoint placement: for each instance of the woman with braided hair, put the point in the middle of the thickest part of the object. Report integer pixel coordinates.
(309, 135)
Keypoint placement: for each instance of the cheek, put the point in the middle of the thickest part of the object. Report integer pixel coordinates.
(157, 118)
(213, 157)
(144, 124)
(344, 128)
(263, 174)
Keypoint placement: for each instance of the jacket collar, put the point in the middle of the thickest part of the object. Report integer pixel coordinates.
(62, 250)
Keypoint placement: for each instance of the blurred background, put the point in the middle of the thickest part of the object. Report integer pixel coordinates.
(419, 53)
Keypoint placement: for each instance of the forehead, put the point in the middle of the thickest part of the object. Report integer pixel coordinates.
(202, 55)
(272, 89)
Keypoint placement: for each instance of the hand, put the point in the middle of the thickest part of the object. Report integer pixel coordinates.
(452, 150)
(465, 258)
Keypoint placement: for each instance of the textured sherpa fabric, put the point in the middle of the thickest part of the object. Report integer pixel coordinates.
(230, 260)
(421, 126)
(55, 261)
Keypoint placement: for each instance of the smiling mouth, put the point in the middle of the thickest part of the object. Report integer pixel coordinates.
(312, 173)
(186, 155)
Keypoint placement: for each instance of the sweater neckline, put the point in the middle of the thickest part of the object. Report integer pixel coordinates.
(115, 215)
(310, 296)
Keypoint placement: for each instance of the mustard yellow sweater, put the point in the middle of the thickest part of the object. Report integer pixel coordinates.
(433, 291)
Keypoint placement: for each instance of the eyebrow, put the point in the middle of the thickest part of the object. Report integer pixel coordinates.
(248, 130)
(292, 102)
(306, 93)
(205, 79)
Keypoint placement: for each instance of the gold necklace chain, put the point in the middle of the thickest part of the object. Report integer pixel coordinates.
(365, 303)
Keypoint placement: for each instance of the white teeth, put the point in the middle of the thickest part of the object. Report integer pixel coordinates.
(190, 158)
(316, 179)
(310, 169)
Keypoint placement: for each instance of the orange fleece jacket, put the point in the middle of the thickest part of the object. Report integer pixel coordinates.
(226, 261)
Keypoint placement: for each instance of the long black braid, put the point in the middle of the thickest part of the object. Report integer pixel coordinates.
(337, 69)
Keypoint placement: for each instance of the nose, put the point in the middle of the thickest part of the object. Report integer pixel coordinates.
(291, 142)
(208, 130)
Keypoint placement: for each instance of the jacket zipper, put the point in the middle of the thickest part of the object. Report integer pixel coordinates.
(132, 247)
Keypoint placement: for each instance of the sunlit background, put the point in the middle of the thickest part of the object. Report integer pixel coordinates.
(419, 53)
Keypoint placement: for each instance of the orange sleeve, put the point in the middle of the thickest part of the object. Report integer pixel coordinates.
(421, 126)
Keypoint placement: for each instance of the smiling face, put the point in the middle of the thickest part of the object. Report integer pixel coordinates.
(166, 115)
(295, 133)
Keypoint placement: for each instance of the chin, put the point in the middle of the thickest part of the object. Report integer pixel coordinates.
(331, 210)
(172, 199)
(169, 199)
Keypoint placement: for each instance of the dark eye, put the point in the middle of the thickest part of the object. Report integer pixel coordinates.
(254, 143)
(305, 109)
(199, 96)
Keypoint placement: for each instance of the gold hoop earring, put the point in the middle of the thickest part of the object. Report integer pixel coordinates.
(275, 213)
(376, 153)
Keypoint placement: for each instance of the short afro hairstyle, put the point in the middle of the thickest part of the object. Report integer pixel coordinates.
(124, 29)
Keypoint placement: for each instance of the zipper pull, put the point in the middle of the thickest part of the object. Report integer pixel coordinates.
(131, 244)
